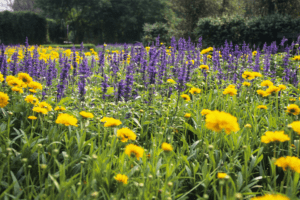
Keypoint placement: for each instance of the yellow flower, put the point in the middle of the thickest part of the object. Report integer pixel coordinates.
(45, 105)
(222, 175)
(230, 91)
(186, 97)
(25, 78)
(262, 107)
(209, 56)
(166, 147)
(66, 119)
(32, 117)
(86, 114)
(35, 85)
(187, 115)
(289, 162)
(40, 110)
(248, 75)
(254, 53)
(271, 197)
(147, 48)
(194, 90)
(205, 112)
(231, 86)
(267, 83)
(171, 81)
(295, 126)
(9, 78)
(282, 87)
(135, 150)
(59, 108)
(204, 67)
(204, 51)
(31, 99)
(246, 84)
(1, 77)
(121, 178)
(126, 134)
(262, 93)
(248, 126)
(296, 58)
(272, 89)
(293, 109)
(277, 136)
(17, 89)
(15, 82)
(217, 121)
(256, 74)
(292, 99)
(3, 99)
(32, 90)
(111, 122)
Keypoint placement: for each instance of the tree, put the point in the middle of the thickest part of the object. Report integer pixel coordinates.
(21, 5)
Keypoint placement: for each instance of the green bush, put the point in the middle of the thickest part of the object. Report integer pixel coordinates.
(151, 31)
(69, 46)
(55, 32)
(256, 30)
(16, 26)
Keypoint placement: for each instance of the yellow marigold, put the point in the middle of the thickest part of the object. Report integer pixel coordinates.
(262, 107)
(272, 89)
(246, 84)
(289, 162)
(256, 74)
(26, 78)
(135, 150)
(204, 51)
(205, 112)
(282, 87)
(166, 147)
(267, 83)
(32, 90)
(271, 197)
(126, 134)
(40, 110)
(111, 122)
(171, 81)
(231, 86)
(35, 85)
(3, 99)
(186, 97)
(104, 119)
(248, 126)
(194, 90)
(209, 56)
(230, 91)
(1, 77)
(222, 175)
(204, 67)
(292, 99)
(277, 136)
(293, 109)
(32, 117)
(9, 78)
(121, 178)
(296, 58)
(86, 114)
(31, 99)
(17, 89)
(45, 105)
(218, 121)
(295, 126)
(262, 93)
(15, 82)
(59, 108)
(254, 53)
(248, 75)
(187, 115)
(66, 119)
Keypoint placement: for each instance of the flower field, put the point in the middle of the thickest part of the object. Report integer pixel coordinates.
(156, 122)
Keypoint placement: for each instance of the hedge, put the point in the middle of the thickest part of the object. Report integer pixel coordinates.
(69, 46)
(237, 29)
(16, 26)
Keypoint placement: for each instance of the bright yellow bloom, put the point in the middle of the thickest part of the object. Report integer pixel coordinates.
(17, 89)
(277, 136)
(292, 99)
(3, 99)
(171, 81)
(40, 110)
(186, 97)
(1, 77)
(31, 99)
(289, 162)
(246, 84)
(271, 197)
(86, 114)
(126, 134)
(204, 67)
(45, 105)
(282, 87)
(256, 74)
(205, 112)
(272, 89)
(194, 90)
(147, 48)
(166, 147)
(248, 126)
(187, 115)
(262, 93)
(248, 75)
(262, 107)
(204, 51)
(296, 58)
(25, 78)
(231, 86)
(293, 109)
(59, 108)
(217, 121)
(66, 119)
(267, 83)
(111, 122)
(32, 117)
(209, 56)
(222, 175)
(32, 90)
(121, 178)
(9, 78)
(35, 85)
(254, 53)
(295, 126)
(15, 82)
(135, 150)
(230, 91)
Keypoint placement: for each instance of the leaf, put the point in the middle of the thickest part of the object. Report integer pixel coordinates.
(55, 182)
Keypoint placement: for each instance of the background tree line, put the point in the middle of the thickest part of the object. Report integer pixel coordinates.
(111, 21)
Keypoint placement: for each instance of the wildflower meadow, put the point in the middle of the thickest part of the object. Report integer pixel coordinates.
(178, 121)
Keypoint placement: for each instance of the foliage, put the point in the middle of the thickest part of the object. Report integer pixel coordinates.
(152, 31)
(77, 46)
